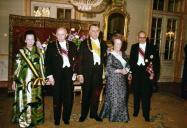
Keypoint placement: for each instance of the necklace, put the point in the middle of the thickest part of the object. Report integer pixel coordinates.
(89, 45)
(62, 50)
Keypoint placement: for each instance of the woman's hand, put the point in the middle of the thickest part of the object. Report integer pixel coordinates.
(117, 71)
(122, 71)
(14, 85)
(47, 82)
(129, 76)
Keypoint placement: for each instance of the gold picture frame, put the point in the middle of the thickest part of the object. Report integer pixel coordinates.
(118, 9)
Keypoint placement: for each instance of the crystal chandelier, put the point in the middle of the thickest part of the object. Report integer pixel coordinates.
(86, 5)
(41, 11)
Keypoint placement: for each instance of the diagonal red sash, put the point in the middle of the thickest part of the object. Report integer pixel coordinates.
(64, 51)
(141, 52)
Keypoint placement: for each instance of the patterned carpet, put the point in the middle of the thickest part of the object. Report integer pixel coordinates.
(167, 111)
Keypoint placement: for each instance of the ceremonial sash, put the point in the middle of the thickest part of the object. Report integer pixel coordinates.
(39, 80)
(141, 53)
(120, 58)
(64, 51)
(123, 61)
(95, 48)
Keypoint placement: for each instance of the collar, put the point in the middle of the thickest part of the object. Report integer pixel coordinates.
(63, 44)
(142, 44)
(96, 40)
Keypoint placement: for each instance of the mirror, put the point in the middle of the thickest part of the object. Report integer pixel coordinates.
(115, 21)
(115, 24)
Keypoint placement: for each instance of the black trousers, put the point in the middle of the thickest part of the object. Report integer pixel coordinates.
(142, 91)
(63, 95)
(91, 91)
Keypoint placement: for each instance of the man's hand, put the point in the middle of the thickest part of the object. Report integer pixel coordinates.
(51, 80)
(80, 78)
(151, 77)
(14, 85)
(74, 76)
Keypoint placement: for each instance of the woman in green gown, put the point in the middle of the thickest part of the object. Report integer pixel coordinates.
(28, 79)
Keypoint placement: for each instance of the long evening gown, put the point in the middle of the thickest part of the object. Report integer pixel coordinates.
(28, 103)
(115, 106)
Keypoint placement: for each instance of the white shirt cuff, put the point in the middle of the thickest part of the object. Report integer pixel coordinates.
(50, 76)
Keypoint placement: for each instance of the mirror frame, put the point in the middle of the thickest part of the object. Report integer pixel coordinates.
(116, 9)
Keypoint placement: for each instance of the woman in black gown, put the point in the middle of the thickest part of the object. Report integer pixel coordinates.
(115, 106)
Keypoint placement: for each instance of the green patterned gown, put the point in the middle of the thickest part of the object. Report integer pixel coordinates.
(28, 104)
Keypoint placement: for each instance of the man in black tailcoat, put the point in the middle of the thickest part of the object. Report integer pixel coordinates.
(59, 62)
(92, 54)
(145, 66)
(184, 76)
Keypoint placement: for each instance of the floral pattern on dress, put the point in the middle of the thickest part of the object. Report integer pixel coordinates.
(115, 106)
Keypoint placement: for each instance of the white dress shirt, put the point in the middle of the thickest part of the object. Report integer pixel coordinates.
(65, 57)
(140, 58)
(97, 59)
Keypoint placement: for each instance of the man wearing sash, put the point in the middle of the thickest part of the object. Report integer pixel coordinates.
(59, 61)
(92, 55)
(144, 62)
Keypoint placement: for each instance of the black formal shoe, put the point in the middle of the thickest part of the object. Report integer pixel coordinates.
(91, 117)
(135, 114)
(57, 122)
(66, 121)
(98, 119)
(147, 119)
(81, 119)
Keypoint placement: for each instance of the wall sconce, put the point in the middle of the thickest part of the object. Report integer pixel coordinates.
(170, 34)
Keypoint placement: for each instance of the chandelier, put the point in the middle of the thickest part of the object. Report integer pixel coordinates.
(86, 5)
(41, 11)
